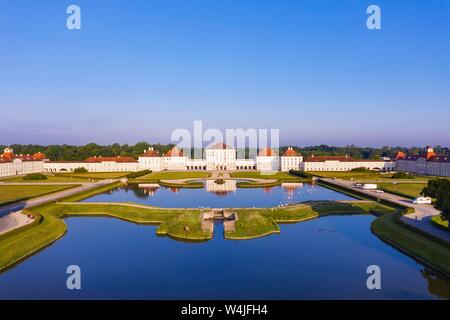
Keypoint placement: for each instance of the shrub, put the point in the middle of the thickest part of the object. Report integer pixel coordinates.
(299, 173)
(402, 175)
(361, 169)
(35, 176)
(80, 170)
(134, 175)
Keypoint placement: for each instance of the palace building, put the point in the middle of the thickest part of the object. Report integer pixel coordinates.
(426, 163)
(345, 163)
(221, 157)
(12, 164)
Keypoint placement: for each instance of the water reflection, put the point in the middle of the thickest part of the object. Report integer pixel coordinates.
(221, 188)
(219, 194)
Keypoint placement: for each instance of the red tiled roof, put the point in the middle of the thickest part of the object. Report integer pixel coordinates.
(10, 156)
(219, 145)
(109, 159)
(267, 152)
(174, 152)
(400, 155)
(151, 153)
(290, 152)
(439, 158)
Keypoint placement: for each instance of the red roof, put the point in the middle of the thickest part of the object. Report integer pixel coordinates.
(267, 152)
(9, 156)
(109, 159)
(219, 145)
(400, 155)
(439, 158)
(174, 152)
(290, 152)
(151, 153)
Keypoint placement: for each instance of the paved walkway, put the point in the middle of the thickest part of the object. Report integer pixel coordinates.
(13, 221)
(17, 219)
(419, 219)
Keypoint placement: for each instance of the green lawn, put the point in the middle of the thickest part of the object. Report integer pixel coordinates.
(50, 179)
(362, 176)
(409, 190)
(438, 222)
(284, 176)
(94, 175)
(173, 175)
(10, 194)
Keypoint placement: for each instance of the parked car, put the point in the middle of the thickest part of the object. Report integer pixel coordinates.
(422, 200)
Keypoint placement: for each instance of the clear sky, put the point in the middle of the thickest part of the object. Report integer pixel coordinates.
(137, 70)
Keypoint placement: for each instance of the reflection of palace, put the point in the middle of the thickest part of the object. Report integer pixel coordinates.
(290, 187)
(221, 188)
(149, 188)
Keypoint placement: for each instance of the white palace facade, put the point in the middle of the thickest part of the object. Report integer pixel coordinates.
(221, 157)
(426, 163)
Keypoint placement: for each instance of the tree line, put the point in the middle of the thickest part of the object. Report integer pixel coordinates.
(78, 153)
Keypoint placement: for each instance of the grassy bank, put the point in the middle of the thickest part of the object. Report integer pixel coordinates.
(281, 176)
(364, 176)
(438, 222)
(50, 179)
(10, 194)
(417, 245)
(94, 175)
(254, 184)
(408, 190)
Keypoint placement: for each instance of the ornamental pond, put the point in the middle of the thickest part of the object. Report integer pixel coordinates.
(324, 258)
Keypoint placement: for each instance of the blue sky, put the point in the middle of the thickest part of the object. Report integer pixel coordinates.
(137, 70)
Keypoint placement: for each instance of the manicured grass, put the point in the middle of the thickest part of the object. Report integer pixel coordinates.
(50, 179)
(409, 190)
(10, 194)
(362, 176)
(253, 184)
(252, 224)
(173, 175)
(415, 244)
(95, 175)
(438, 222)
(283, 176)
(186, 185)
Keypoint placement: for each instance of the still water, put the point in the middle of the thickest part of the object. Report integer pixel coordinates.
(323, 258)
(225, 195)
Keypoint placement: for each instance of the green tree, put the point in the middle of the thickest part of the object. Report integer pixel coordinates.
(440, 190)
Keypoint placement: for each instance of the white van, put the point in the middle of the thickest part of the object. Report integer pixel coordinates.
(370, 186)
(422, 200)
